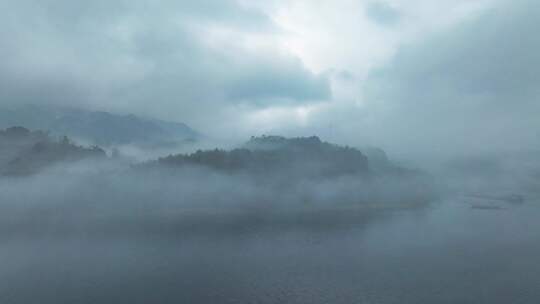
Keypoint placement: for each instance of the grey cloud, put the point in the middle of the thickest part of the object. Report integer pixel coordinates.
(283, 79)
(143, 57)
(470, 88)
(382, 13)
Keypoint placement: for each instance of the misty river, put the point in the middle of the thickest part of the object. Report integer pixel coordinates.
(445, 253)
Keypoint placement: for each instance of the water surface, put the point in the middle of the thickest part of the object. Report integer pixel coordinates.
(447, 253)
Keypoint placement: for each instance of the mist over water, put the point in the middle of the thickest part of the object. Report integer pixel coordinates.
(96, 232)
(445, 254)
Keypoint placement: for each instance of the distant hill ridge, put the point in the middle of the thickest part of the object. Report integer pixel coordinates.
(305, 156)
(274, 142)
(268, 155)
(25, 152)
(98, 127)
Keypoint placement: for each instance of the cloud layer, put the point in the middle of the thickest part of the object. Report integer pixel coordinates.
(175, 59)
(411, 76)
(472, 87)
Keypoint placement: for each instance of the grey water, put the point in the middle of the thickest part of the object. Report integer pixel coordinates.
(445, 253)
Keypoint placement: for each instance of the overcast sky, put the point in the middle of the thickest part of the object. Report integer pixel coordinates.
(407, 75)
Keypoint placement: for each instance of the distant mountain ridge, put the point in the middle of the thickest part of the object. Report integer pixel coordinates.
(98, 127)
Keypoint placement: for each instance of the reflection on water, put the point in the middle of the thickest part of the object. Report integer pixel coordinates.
(449, 253)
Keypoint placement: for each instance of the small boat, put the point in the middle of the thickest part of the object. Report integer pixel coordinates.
(484, 207)
(508, 198)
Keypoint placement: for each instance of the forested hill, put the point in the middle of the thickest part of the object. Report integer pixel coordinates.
(24, 152)
(268, 155)
(268, 168)
(290, 158)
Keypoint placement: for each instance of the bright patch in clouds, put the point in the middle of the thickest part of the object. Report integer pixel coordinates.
(341, 37)
(270, 119)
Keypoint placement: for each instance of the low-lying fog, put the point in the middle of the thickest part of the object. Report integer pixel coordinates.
(102, 195)
(103, 231)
